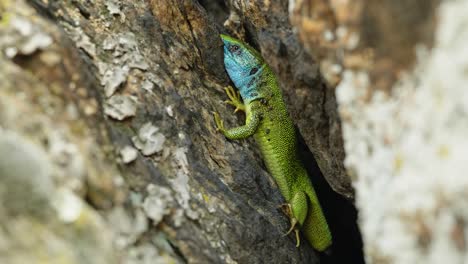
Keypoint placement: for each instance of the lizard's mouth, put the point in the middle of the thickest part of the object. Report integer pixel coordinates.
(227, 53)
(227, 41)
(230, 61)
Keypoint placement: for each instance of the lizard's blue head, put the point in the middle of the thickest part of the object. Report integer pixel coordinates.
(242, 62)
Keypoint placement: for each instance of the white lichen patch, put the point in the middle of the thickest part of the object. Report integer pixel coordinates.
(170, 110)
(120, 44)
(113, 6)
(67, 205)
(125, 49)
(120, 107)
(126, 56)
(128, 154)
(113, 78)
(147, 85)
(407, 152)
(147, 253)
(83, 41)
(138, 62)
(128, 227)
(181, 182)
(35, 42)
(158, 203)
(149, 141)
(24, 38)
(67, 156)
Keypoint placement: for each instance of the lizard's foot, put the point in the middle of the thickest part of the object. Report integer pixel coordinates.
(234, 99)
(293, 226)
(219, 123)
(298, 239)
(296, 231)
(287, 209)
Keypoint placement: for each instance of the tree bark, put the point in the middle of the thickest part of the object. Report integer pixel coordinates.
(114, 100)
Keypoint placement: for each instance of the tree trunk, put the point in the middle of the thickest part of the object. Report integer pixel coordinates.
(114, 99)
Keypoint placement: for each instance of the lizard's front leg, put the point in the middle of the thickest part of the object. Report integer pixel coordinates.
(240, 132)
(234, 99)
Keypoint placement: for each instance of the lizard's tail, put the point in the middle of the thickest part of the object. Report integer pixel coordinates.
(315, 226)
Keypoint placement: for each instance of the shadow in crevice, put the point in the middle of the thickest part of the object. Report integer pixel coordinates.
(340, 213)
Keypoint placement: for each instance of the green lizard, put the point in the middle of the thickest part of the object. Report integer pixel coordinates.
(268, 121)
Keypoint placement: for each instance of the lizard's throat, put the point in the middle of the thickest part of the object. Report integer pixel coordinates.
(249, 87)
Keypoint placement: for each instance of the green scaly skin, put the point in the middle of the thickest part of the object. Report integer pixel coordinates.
(268, 121)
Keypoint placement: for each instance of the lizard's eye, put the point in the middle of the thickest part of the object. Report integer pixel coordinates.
(234, 48)
(253, 71)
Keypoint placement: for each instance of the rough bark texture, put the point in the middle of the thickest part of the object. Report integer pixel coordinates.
(108, 150)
